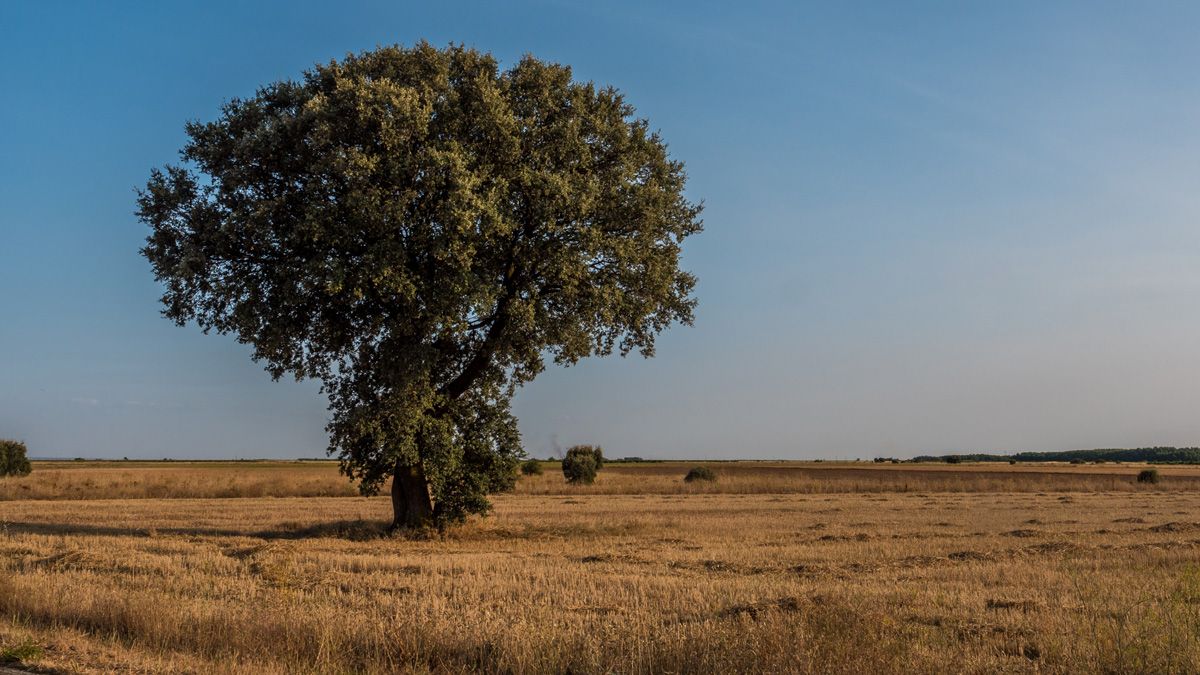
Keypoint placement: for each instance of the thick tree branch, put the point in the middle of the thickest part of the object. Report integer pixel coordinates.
(483, 357)
(475, 367)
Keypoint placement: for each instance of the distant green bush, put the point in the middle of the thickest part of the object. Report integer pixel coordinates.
(12, 459)
(581, 464)
(953, 459)
(1148, 476)
(531, 467)
(700, 473)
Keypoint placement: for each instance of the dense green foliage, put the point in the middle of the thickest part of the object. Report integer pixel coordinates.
(597, 453)
(1157, 455)
(531, 467)
(12, 459)
(581, 464)
(1148, 476)
(420, 231)
(700, 473)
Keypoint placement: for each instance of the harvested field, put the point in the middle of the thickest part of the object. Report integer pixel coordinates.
(594, 580)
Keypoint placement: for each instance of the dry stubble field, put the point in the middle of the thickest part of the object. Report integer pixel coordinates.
(220, 567)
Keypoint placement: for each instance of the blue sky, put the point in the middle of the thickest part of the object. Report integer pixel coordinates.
(930, 226)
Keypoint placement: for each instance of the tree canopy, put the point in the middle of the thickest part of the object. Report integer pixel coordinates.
(422, 231)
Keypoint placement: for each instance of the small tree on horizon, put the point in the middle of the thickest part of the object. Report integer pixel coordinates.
(700, 473)
(420, 231)
(581, 464)
(1148, 476)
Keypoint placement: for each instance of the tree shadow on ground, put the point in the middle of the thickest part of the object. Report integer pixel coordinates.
(351, 530)
(22, 668)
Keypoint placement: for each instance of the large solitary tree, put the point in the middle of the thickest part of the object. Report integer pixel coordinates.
(421, 231)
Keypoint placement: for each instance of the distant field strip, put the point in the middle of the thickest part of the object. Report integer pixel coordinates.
(191, 480)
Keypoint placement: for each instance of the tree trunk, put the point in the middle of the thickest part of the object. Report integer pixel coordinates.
(411, 505)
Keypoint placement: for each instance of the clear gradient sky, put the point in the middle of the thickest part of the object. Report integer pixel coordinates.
(930, 226)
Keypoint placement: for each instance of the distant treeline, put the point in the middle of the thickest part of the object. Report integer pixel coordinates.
(1162, 455)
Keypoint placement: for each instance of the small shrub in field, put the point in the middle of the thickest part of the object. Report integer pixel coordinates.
(581, 464)
(700, 473)
(18, 653)
(531, 467)
(953, 459)
(12, 459)
(1148, 476)
(1012, 461)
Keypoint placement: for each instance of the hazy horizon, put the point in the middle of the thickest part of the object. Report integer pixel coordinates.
(929, 229)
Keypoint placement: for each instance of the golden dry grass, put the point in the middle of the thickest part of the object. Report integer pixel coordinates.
(588, 580)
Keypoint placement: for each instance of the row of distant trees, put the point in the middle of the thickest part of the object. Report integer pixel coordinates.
(1156, 455)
